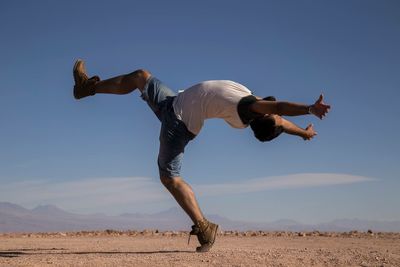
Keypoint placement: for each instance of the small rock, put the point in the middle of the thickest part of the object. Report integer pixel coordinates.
(175, 233)
(167, 233)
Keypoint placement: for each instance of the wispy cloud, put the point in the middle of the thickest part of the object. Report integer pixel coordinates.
(115, 194)
(281, 182)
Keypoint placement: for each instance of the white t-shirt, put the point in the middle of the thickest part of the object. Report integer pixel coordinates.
(210, 99)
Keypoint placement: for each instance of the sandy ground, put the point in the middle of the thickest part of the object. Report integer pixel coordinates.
(171, 249)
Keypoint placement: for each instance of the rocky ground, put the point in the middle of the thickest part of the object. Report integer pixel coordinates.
(153, 248)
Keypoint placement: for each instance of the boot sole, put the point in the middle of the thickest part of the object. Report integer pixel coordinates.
(77, 78)
(74, 70)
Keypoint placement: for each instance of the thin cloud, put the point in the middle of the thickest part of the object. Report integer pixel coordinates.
(281, 182)
(121, 194)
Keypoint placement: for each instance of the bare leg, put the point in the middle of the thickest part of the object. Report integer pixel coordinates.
(123, 84)
(184, 195)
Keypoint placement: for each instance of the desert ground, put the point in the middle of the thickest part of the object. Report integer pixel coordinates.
(153, 248)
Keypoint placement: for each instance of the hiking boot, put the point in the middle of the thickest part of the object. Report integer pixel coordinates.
(206, 232)
(84, 86)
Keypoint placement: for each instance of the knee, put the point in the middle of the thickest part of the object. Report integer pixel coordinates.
(165, 180)
(137, 79)
(170, 182)
(141, 73)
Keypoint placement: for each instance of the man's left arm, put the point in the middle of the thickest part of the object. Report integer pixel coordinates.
(319, 108)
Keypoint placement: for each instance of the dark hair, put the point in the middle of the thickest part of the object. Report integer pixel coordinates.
(265, 128)
(269, 98)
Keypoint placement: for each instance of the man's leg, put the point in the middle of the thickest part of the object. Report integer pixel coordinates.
(184, 195)
(123, 84)
(174, 137)
(205, 231)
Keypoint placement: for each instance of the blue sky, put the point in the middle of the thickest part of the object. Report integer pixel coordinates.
(99, 154)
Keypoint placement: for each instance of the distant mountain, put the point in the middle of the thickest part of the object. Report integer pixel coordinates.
(362, 225)
(12, 208)
(49, 209)
(49, 218)
(14, 218)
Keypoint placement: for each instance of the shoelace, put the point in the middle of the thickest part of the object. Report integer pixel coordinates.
(195, 231)
(95, 79)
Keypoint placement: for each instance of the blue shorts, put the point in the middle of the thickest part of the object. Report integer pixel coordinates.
(174, 135)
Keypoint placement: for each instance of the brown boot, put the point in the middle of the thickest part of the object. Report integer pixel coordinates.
(206, 232)
(84, 86)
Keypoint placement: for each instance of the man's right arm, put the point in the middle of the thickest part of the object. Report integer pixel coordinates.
(290, 128)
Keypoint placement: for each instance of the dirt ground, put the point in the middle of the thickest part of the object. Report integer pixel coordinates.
(151, 248)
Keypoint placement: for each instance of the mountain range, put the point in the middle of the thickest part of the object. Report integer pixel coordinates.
(49, 218)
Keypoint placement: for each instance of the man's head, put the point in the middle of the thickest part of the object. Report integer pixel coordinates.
(265, 128)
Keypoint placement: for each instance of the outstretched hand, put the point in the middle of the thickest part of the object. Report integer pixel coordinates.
(320, 109)
(310, 132)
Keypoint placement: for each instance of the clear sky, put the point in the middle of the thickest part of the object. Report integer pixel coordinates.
(99, 154)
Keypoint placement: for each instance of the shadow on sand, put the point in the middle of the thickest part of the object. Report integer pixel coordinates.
(55, 251)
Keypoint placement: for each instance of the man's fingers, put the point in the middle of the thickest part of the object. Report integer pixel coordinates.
(320, 108)
(321, 97)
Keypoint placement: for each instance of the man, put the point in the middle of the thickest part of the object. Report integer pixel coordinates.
(182, 116)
